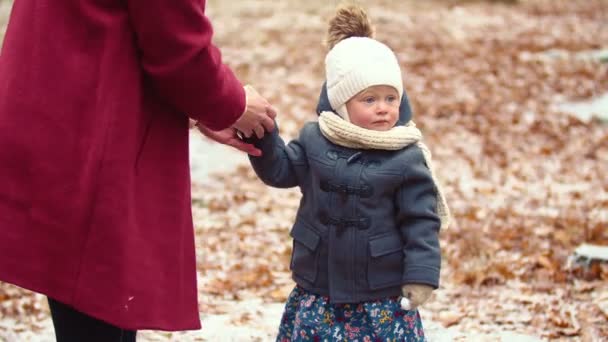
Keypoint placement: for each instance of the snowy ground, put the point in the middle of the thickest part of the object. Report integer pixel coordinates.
(586, 110)
(208, 157)
(249, 321)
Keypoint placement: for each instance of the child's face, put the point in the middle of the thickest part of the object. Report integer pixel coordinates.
(375, 108)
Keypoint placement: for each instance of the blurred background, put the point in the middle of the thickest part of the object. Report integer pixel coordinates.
(512, 98)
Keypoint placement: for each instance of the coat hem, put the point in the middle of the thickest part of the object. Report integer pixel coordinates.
(376, 295)
(195, 325)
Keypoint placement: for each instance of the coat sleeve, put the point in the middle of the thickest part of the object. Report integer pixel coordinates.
(280, 165)
(177, 54)
(419, 222)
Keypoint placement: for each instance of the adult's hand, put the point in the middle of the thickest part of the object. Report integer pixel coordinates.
(258, 117)
(229, 137)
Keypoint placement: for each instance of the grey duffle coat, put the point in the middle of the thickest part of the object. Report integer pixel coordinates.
(367, 220)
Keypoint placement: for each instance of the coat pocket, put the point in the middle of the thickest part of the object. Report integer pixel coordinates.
(385, 263)
(304, 257)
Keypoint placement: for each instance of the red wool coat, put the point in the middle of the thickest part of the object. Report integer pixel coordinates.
(95, 185)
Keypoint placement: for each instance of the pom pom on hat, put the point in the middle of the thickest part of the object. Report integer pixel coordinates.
(356, 61)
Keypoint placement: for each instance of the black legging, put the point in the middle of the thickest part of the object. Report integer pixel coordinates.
(74, 326)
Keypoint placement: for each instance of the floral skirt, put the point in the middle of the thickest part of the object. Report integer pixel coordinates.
(310, 317)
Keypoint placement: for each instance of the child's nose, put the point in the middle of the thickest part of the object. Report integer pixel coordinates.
(382, 107)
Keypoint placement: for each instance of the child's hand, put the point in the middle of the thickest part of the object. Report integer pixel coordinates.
(414, 295)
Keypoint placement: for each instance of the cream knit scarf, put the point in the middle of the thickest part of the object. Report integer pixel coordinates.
(343, 133)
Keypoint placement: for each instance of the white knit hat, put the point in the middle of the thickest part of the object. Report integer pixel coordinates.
(357, 63)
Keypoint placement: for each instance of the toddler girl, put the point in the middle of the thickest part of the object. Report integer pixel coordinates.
(366, 231)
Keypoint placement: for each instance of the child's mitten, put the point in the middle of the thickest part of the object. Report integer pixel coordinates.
(414, 295)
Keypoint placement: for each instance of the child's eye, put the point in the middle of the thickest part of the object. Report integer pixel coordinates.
(369, 100)
(391, 99)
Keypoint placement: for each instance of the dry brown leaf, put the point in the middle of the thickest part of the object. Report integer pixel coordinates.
(602, 303)
(450, 318)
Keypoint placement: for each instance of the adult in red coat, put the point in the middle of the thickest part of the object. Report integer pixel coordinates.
(95, 208)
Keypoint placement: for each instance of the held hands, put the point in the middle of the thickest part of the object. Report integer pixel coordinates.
(414, 295)
(258, 117)
(229, 136)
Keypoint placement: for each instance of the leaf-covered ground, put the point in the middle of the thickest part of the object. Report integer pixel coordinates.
(526, 183)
